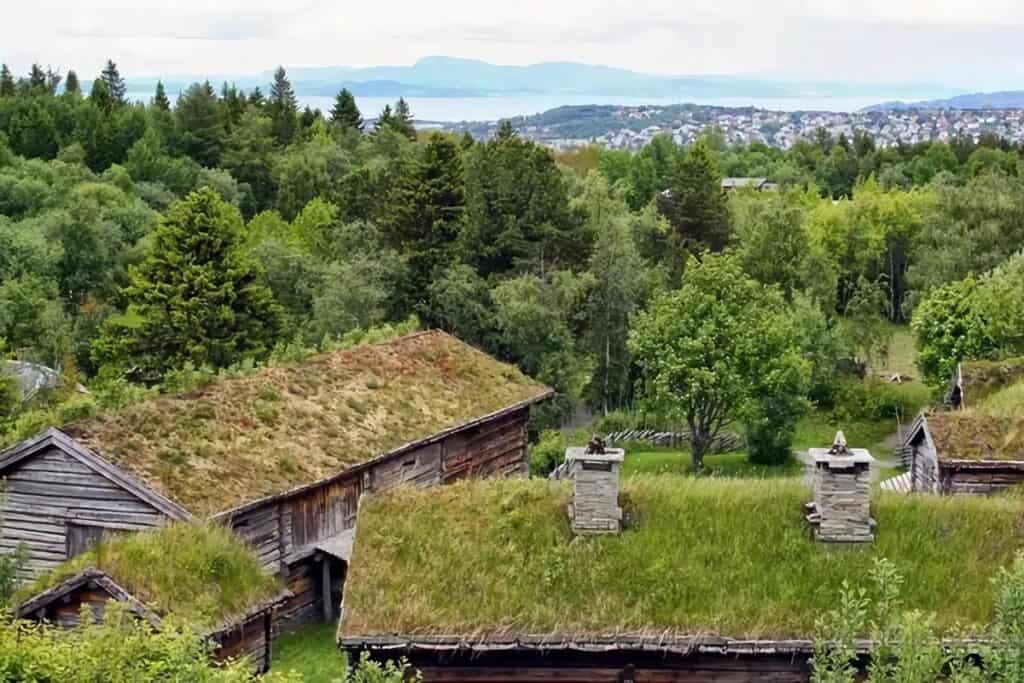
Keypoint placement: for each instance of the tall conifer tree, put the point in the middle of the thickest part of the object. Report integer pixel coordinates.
(160, 100)
(6, 82)
(115, 84)
(695, 204)
(345, 112)
(283, 108)
(403, 119)
(71, 84)
(197, 296)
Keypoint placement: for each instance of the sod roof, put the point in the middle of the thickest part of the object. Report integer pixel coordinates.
(702, 557)
(982, 378)
(978, 434)
(243, 439)
(199, 572)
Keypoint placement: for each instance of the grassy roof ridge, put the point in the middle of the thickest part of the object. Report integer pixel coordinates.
(982, 378)
(197, 571)
(244, 438)
(728, 558)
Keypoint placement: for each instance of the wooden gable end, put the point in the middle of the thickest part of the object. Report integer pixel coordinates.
(56, 501)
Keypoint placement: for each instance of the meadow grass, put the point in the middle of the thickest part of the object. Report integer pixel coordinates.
(1007, 400)
(200, 572)
(735, 465)
(311, 652)
(701, 555)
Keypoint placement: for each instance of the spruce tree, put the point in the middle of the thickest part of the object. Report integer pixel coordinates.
(53, 79)
(426, 210)
(37, 80)
(403, 119)
(6, 82)
(695, 204)
(256, 98)
(386, 119)
(71, 84)
(160, 100)
(345, 112)
(197, 296)
(200, 128)
(309, 117)
(283, 108)
(115, 84)
(100, 95)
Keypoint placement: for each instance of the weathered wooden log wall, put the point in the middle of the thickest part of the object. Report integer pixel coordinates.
(495, 448)
(924, 471)
(979, 478)
(250, 638)
(51, 495)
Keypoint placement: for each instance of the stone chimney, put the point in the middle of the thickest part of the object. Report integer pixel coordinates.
(595, 502)
(841, 510)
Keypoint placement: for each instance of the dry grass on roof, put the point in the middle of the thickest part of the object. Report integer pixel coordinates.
(242, 439)
(200, 572)
(704, 556)
(977, 434)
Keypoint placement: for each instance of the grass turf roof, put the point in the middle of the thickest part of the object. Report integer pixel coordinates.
(705, 556)
(978, 434)
(242, 439)
(982, 378)
(199, 572)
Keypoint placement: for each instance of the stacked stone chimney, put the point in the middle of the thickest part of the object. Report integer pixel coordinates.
(841, 510)
(595, 503)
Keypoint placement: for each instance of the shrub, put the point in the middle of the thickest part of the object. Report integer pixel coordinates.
(120, 649)
(548, 453)
(369, 671)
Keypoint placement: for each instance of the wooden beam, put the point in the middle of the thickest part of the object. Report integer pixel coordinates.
(326, 588)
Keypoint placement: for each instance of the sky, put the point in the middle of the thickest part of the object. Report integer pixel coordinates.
(971, 45)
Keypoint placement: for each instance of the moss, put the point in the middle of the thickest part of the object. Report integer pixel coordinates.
(200, 572)
(712, 556)
(319, 413)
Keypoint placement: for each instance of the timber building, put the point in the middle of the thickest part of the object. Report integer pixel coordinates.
(282, 457)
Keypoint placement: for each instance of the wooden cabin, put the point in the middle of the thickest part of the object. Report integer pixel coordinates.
(248, 635)
(282, 457)
(235, 607)
(509, 590)
(968, 451)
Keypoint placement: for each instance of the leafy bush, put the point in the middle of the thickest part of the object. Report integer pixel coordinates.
(369, 671)
(874, 400)
(548, 453)
(121, 649)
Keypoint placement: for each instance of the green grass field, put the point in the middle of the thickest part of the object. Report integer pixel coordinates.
(311, 652)
(733, 465)
(701, 555)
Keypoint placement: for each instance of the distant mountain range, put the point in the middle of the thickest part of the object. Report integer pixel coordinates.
(1007, 99)
(453, 77)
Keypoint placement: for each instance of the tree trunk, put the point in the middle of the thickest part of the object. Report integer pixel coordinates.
(698, 447)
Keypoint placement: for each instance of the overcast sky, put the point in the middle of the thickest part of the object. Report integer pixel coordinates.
(975, 44)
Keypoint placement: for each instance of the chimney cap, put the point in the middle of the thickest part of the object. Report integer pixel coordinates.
(839, 445)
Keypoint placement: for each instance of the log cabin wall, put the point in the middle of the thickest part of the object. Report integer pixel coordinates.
(54, 505)
(495, 448)
(982, 478)
(67, 612)
(924, 468)
(251, 638)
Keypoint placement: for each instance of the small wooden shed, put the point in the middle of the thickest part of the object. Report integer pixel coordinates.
(966, 451)
(282, 457)
(246, 635)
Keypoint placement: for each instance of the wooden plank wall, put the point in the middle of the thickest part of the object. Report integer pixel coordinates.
(980, 481)
(43, 493)
(248, 639)
(67, 613)
(925, 469)
(496, 448)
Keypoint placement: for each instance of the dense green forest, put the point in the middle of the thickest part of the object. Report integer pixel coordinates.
(143, 245)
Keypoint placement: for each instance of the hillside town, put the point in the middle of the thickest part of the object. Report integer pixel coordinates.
(631, 128)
